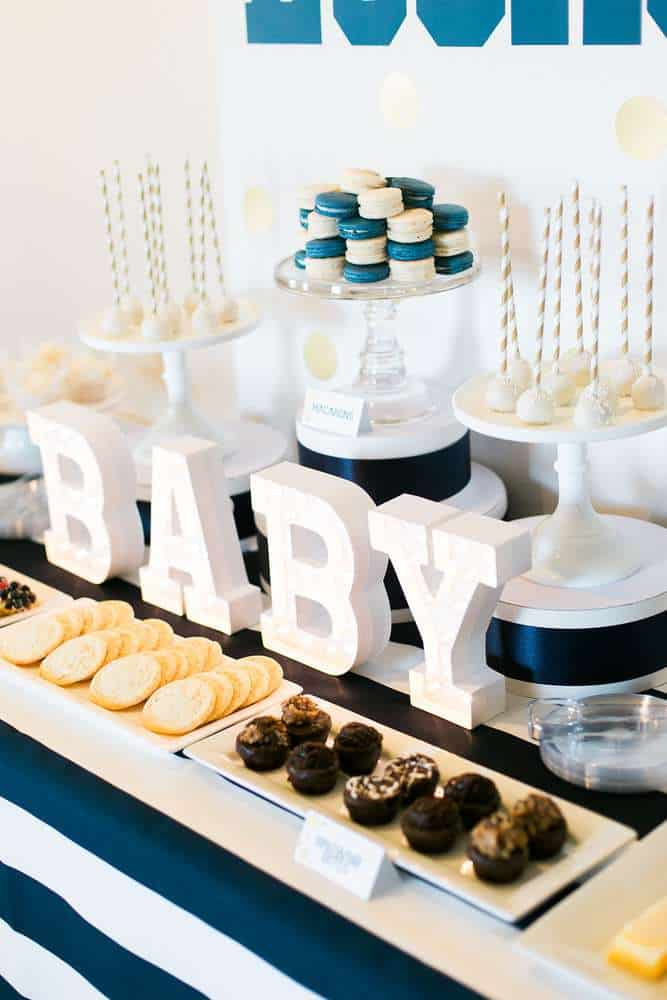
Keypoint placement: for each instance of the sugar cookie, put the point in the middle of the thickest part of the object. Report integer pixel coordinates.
(27, 642)
(164, 630)
(224, 693)
(180, 707)
(76, 660)
(195, 649)
(126, 682)
(275, 671)
(242, 682)
(260, 679)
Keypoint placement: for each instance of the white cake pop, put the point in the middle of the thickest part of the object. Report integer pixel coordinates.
(648, 393)
(171, 313)
(190, 303)
(205, 320)
(623, 373)
(535, 406)
(502, 394)
(155, 327)
(520, 372)
(602, 389)
(561, 386)
(227, 309)
(133, 309)
(114, 322)
(592, 411)
(577, 364)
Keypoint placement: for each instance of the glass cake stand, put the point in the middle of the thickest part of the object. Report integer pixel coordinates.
(182, 416)
(575, 546)
(393, 396)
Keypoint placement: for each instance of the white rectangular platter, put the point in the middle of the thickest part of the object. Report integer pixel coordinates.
(593, 839)
(73, 703)
(573, 937)
(48, 598)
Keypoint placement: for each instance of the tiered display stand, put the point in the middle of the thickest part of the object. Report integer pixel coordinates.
(590, 616)
(247, 447)
(415, 444)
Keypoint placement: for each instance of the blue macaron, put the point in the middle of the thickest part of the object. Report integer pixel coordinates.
(448, 218)
(357, 228)
(334, 246)
(300, 258)
(337, 204)
(416, 193)
(363, 274)
(455, 264)
(410, 251)
(303, 217)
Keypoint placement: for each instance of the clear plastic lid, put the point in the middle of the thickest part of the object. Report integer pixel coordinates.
(612, 743)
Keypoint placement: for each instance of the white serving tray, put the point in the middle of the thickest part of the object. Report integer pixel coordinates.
(593, 839)
(73, 703)
(48, 598)
(574, 936)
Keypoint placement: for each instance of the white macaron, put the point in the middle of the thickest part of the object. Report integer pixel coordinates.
(325, 268)
(414, 225)
(408, 271)
(354, 180)
(380, 203)
(372, 251)
(309, 192)
(450, 244)
(321, 227)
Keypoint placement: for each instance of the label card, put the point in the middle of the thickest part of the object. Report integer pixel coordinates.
(347, 858)
(332, 411)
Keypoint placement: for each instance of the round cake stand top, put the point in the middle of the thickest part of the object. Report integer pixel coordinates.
(293, 279)
(469, 403)
(248, 320)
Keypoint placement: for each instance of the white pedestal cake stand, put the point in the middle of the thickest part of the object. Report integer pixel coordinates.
(575, 546)
(182, 415)
(593, 575)
(392, 395)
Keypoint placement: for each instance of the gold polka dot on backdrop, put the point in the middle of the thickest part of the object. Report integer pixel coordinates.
(320, 357)
(399, 101)
(258, 210)
(641, 128)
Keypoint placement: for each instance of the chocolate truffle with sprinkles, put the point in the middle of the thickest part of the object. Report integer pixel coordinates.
(544, 824)
(372, 801)
(417, 774)
(498, 848)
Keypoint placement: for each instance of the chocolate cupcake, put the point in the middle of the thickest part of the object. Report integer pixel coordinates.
(358, 748)
(475, 795)
(263, 744)
(312, 768)
(431, 825)
(372, 801)
(305, 720)
(498, 848)
(544, 824)
(417, 774)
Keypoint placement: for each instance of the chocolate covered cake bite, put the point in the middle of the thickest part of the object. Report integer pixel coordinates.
(263, 744)
(543, 823)
(358, 748)
(416, 773)
(305, 721)
(312, 768)
(431, 825)
(498, 848)
(372, 801)
(475, 795)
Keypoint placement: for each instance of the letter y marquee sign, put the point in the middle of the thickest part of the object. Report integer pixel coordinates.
(451, 22)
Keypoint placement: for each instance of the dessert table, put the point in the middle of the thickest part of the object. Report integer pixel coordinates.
(129, 872)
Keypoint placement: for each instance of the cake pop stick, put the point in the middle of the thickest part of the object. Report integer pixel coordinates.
(595, 407)
(162, 260)
(624, 371)
(153, 327)
(536, 406)
(518, 368)
(561, 385)
(648, 392)
(192, 297)
(577, 360)
(131, 305)
(227, 309)
(114, 321)
(501, 392)
(205, 322)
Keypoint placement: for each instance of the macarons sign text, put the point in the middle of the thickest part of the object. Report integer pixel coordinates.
(451, 22)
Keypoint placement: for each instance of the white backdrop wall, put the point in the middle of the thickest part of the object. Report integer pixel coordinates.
(524, 118)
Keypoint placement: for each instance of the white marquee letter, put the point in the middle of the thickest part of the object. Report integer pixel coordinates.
(452, 567)
(90, 483)
(193, 533)
(329, 606)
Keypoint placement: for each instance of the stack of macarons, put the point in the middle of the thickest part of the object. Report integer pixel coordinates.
(368, 227)
(451, 240)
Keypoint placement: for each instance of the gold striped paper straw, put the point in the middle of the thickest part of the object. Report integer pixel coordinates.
(213, 229)
(111, 247)
(558, 283)
(122, 230)
(542, 296)
(625, 273)
(145, 226)
(163, 280)
(192, 251)
(596, 239)
(578, 283)
(650, 251)
(202, 236)
(505, 274)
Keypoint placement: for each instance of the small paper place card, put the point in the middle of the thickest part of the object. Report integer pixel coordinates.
(332, 411)
(343, 856)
